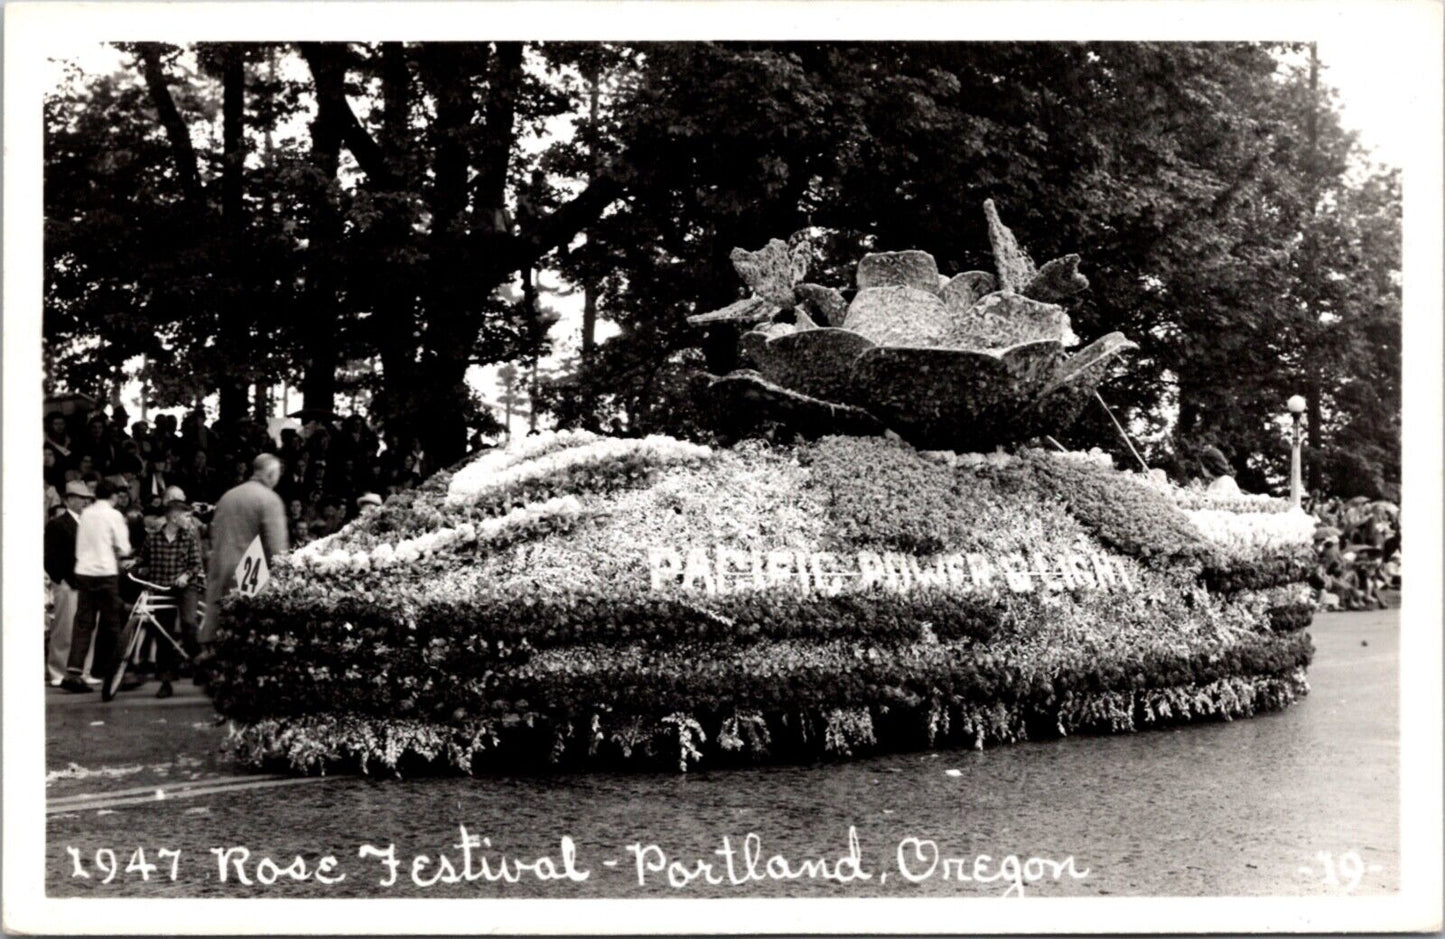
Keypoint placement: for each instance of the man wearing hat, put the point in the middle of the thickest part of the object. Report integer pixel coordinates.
(101, 544)
(172, 558)
(367, 503)
(60, 568)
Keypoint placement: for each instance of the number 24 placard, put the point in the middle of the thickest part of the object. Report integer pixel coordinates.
(252, 571)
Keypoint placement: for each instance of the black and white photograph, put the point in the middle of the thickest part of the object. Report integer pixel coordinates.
(791, 468)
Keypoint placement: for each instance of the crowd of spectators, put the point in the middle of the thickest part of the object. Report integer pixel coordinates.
(328, 466)
(156, 486)
(1358, 542)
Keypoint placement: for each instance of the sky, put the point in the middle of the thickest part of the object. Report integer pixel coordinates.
(1374, 99)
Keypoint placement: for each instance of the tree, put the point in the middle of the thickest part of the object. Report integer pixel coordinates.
(1175, 169)
(398, 202)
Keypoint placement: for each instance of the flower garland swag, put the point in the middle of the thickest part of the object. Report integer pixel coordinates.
(584, 601)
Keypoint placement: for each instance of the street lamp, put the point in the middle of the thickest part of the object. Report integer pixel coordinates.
(1296, 405)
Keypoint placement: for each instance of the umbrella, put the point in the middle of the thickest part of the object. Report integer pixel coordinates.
(69, 404)
(315, 414)
(277, 424)
(1388, 508)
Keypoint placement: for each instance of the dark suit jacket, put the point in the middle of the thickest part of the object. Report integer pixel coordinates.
(60, 548)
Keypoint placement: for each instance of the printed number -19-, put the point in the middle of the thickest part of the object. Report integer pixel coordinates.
(1346, 870)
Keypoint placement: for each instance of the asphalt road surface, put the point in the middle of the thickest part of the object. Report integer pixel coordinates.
(1303, 802)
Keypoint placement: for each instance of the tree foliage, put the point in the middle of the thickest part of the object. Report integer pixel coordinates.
(396, 198)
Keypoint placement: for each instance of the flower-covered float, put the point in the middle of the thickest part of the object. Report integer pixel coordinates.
(875, 583)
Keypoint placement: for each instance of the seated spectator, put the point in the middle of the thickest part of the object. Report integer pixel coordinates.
(333, 517)
(53, 502)
(414, 464)
(196, 436)
(155, 481)
(57, 441)
(97, 444)
(240, 471)
(200, 479)
(128, 470)
(318, 481)
(54, 472)
(292, 446)
(343, 481)
(293, 484)
(297, 522)
(134, 517)
(119, 418)
(319, 445)
(164, 440)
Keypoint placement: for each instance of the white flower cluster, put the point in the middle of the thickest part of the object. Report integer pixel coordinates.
(1255, 533)
(997, 459)
(467, 487)
(412, 549)
(1244, 502)
(1299, 594)
(476, 474)
(1092, 455)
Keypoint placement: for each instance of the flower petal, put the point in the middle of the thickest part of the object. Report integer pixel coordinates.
(814, 362)
(1005, 319)
(773, 270)
(899, 269)
(1066, 394)
(827, 303)
(1015, 268)
(954, 399)
(1057, 280)
(743, 394)
(966, 289)
(749, 310)
(899, 316)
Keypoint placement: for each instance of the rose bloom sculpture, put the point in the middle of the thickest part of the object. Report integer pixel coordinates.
(963, 363)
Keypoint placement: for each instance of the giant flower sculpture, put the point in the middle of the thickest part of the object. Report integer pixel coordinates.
(966, 363)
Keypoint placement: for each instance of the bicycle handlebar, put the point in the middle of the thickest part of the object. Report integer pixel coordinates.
(146, 583)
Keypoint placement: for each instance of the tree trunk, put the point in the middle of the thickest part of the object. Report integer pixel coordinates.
(235, 333)
(394, 305)
(179, 136)
(1315, 434)
(451, 285)
(322, 350)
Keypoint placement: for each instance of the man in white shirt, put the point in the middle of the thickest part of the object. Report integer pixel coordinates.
(101, 542)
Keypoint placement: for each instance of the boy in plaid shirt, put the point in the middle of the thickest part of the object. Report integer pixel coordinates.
(172, 558)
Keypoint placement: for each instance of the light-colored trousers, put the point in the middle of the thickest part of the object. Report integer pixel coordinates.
(62, 623)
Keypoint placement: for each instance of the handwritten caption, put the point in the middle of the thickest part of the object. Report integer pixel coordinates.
(734, 863)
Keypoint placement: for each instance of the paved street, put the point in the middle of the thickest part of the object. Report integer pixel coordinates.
(1242, 808)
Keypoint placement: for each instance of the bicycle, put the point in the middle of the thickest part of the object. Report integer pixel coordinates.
(153, 599)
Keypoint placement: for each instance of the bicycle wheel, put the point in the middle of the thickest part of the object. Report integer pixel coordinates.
(125, 645)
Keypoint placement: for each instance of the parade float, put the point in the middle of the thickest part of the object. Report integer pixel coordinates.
(902, 562)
